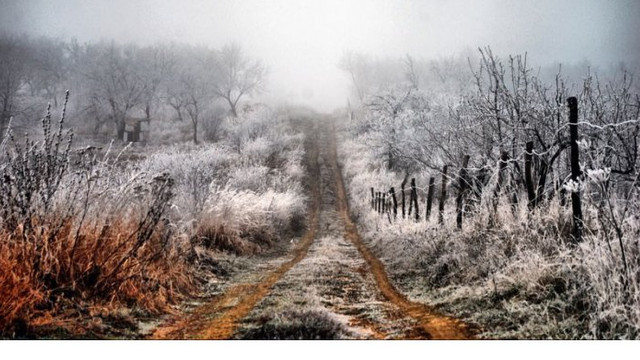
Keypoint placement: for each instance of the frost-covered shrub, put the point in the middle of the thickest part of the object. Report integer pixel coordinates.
(77, 228)
(193, 168)
(252, 178)
(257, 149)
(518, 278)
(248, 126)
(241, 193)
(254, 216)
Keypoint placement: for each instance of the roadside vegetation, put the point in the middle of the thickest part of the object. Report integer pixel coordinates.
(91, 241)
(514, 268)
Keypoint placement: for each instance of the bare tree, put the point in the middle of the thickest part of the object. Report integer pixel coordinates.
(190, 92)
(115, 81)
(357, 66)
(48, 69)
(411, 72)
(237, 76)
(156, 64)
(13, 54)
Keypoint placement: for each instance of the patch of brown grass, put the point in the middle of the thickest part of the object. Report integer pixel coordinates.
(55, 266)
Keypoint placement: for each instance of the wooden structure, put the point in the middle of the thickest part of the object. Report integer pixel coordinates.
(136, 130)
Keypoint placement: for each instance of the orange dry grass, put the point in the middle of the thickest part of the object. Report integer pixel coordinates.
(54, 265)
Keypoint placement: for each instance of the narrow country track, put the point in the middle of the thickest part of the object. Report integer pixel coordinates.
(330, 271)
(240, 299)
(436, 326)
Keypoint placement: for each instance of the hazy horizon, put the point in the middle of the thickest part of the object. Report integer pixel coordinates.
(302, 41)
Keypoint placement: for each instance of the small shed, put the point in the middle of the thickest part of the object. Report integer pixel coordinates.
(136, 130)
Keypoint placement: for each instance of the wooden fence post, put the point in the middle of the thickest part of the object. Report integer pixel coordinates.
(378, 201)
(432, 181)
(575, 168)
(542, 182)
(375, 202)
(443, 194)
(404, 182)
(395, 202)
(528, 176)
(384, 202)
(464, 185)
(414, 195)
(373, 199)
(502, 164)
(410, 203)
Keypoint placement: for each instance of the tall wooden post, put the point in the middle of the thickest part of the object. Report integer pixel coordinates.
(384, 202)
(392, 191)
(502, 165)
(463, 185)
(528, 176)
(575, 168)
(373, 199)
(432, 181)
(563, 196)
(410, 202)
(414, 195)
(404, 182)
(443, 194)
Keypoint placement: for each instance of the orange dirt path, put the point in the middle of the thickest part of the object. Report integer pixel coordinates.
(219, 318)
(436, 326)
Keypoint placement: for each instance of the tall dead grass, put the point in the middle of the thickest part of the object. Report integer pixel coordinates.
(46, 271)
(77, 231)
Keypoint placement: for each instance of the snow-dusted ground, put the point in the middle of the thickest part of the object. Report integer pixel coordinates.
(332, 284)
(323, 285)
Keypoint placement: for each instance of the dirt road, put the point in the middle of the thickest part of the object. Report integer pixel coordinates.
(328, 284)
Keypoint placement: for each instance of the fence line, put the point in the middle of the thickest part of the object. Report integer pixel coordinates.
(386, 201)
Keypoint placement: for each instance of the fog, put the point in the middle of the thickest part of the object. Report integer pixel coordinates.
(302, 41)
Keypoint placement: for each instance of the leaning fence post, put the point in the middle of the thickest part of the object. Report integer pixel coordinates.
(414, 194)
(575, 169)
(404, 182)
(432, 181)
(443, 194)
(373, 199)
(464, 185)
(528, 177)
(395, 202)
(502, 164)
(375, 203)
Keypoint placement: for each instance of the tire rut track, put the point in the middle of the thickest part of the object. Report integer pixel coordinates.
(434, 325)
(219, 318)
(350, 281)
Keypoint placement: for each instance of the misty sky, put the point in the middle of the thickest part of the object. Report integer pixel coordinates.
(302, 41)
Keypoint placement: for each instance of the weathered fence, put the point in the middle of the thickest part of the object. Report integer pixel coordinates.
(386, 201)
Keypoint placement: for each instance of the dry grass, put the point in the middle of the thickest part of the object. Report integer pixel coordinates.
(77, 231)
(83, 232)
(43, 274)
